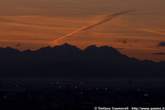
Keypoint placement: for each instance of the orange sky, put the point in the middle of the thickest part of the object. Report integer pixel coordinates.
(31, 24)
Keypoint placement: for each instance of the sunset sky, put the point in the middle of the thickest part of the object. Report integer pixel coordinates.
(31, 24)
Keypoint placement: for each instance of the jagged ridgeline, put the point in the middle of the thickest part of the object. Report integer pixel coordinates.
(71, 62)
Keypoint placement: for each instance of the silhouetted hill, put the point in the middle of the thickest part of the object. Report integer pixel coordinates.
(69, 61)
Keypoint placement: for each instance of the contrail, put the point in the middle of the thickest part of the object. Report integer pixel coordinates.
(88, 27)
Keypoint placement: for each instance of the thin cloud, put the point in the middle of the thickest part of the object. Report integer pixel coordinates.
(152, 31)
(88, 27)
(159, 53)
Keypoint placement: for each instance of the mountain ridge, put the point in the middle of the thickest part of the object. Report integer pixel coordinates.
(69, 61)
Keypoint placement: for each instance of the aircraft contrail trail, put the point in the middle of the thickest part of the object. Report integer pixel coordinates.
(88, 27)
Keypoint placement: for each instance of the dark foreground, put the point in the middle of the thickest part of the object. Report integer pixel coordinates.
(68, 95)
(138, 83)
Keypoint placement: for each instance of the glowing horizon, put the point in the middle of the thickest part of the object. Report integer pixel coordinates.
(29, 24)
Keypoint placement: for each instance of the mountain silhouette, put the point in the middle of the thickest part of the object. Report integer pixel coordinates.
(161, 44)
(68, 61)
